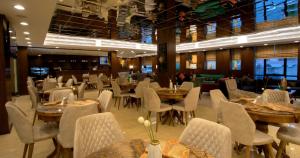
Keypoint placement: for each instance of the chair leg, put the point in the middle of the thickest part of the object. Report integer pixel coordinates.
(34, 117)
(186, 118)
(248, 151)
(31, 146)
(194, 114)
(157, 120)
(149, 115)
(281, 148)
(116, 99)
(270, 148)
(25, 150)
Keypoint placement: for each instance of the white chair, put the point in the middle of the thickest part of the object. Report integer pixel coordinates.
(216, 96)
(187, 85)
(155, 86)
(27, 133)
(60, 79)
(95, 132)
(138, 95)
(189, 104)
(235, 93)
(154, 104)
(209, 136)
(34, 101)
(105, 99)
(242, 127)
(59, 94)
(119, 96)
(92, 80)
(65, 136)
(69, 83)
(81, 89)
(276, 96)
(100, 85)
(49, 84)
(288, 134)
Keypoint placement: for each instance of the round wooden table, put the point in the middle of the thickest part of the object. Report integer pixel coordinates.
(128, 86)
(171, 94)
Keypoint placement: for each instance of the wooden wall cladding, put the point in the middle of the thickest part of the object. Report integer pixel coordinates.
(22, 64)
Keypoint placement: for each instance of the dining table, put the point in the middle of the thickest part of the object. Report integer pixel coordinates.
(264, 114)
(172, 96)
(137, 148)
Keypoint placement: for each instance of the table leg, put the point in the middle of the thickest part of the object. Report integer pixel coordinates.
(53, 153)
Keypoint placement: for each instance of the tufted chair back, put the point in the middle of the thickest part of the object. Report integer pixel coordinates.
(74, 79)
(209, 136)
(21, 123)
(105, 99)
(69, 83)
(276, 96)
(216, 96)
(58, 94)
(49, 84)
(116, 88)
(68, 120)
(100, 85)
(240, 123)
(30, 81)
(104, 78)
(93, 78)
(33, 96)
(187, 85)
(231, 86)
(151, 99)
(81, 89)
(191, 100)
(59, 79)
(155, 85)
(95, 132)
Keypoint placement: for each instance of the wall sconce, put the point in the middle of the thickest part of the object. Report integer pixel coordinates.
(130, 66)
(122, 62)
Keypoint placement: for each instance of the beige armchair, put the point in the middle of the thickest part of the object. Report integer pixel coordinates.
(138, 95)
(154, 104)
(105, 99)
(155, 85)
(216, 96)
(119, 96)
(95, 132)
(65, 136)
(288, 134)
(276, 96)
(49, 84)
(189, 103)
(81, 90)
(235, 93)
(75, 81)
(69, 83)
(60, 79)
(209, 136)
(27, 133)
(59, 94)
(187, 85)
(34, 101)
(242, 127)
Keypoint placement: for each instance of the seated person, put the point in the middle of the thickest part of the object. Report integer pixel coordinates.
(181, 77)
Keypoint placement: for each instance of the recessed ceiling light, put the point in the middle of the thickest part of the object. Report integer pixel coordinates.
(27, 38)
(29, 45)
(296, 41)
(10, 31)
(24, 23)
(98, 49)
(56, 47)
(265, 44)
(221, 48)
(13, 37)
(19, 7)
(26, 33)
(241, 46)
(28, 42)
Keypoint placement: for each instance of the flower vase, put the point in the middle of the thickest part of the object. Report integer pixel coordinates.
(154, 150)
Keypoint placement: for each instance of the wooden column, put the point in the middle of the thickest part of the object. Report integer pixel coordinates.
(5, 82)
(183, 62)
(183, 34)
(166, 48)
(247, 16)
(201, 33)
(223, 61)
(115, 63)
(223, 26)
(200, 62)
(22, 64)
(248, 61)
(112, 25)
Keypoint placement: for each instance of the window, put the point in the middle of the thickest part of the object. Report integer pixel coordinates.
(211, 63)
(177, 63)
(146, 34)
(259, 68)
(291, 68)
(275, 68)
(273, 10)
(236, 22)
(147, 69)
(235, 60)
(191, 62)
(211, 27)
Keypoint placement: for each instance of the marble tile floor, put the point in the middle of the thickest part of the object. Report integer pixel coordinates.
(11, 146)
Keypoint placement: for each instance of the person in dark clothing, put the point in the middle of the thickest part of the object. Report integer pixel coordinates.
(181, 77)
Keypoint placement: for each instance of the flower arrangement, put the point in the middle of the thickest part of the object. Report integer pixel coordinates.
(148, 126)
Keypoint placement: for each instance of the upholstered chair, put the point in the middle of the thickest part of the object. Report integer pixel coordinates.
(288, 134)
(69, 83)
(155, 86)
(65, 136)
(105, 99)
(242, 127)
(235, 93)
(59, 94)
(209, 136)
(276, 96)
(154, 104)
(75, 81)
(95, 132)
(60, 79)
(30, 81)
(216, 96)
(34, 101)
(118, 95)
(187, 85)
(138, 95)
(49, 84)
(81, 89)
(189, 104)
(27, 133)
(92, 80)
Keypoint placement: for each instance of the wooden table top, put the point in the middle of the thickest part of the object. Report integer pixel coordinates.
(264, 114)
(165, 93)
